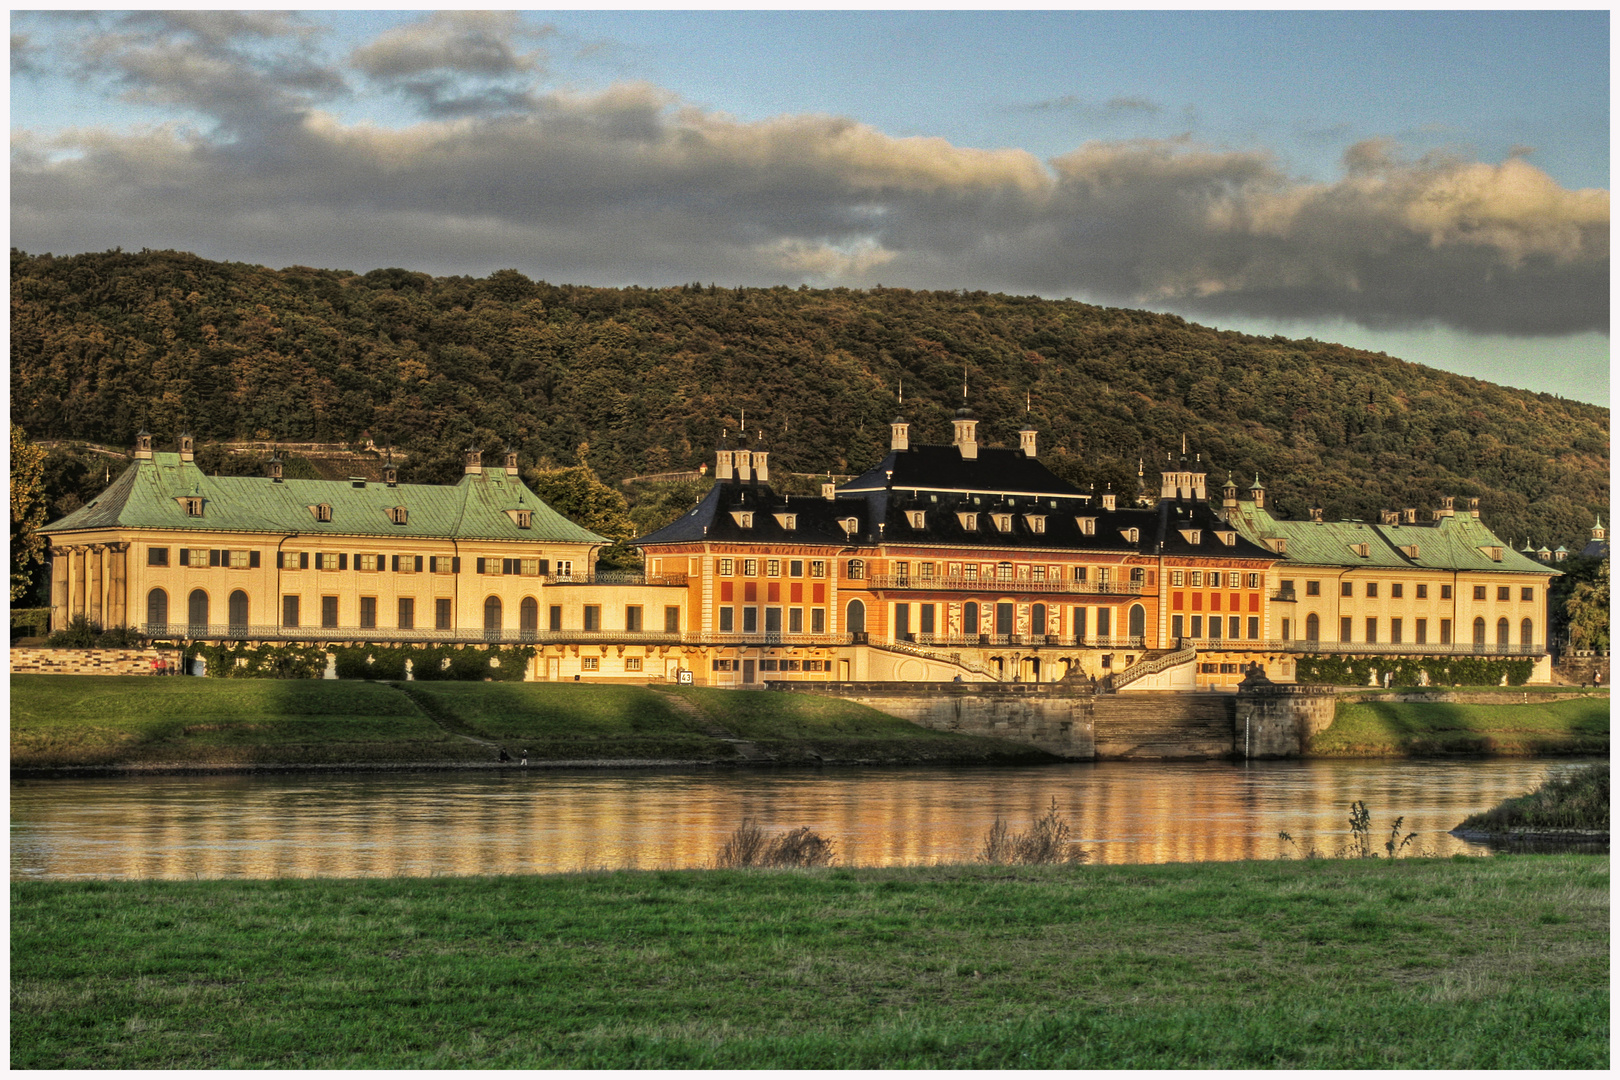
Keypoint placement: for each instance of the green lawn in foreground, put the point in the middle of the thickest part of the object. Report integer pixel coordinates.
(1578, 725)
(1470, 963)
(98, 720)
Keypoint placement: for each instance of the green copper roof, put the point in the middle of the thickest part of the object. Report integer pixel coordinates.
(1451, 543)
(149, 494)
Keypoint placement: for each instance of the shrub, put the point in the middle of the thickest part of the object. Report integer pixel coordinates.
(751, 845)
(1047, 841)
(1577, 800)
(82, 632)
(1442, 670)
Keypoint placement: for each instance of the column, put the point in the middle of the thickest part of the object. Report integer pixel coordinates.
(60, 569)
(94, 559)
(75, 581)
(118, 584)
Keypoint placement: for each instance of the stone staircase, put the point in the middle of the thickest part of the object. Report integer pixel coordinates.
(1150, 664)
(951, 658)
(1164, 725)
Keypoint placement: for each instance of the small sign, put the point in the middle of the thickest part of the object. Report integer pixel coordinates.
(683, 675)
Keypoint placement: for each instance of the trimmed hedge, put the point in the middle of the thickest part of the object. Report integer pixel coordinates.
(466, 663)
(1443, 671)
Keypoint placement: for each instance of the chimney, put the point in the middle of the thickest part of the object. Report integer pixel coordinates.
(1409, 515)
(762, 471)
(274, 469)
(143, 445)
(898, 438)
(1229, 498)
(391, 473)
(1258, 493)
(511, 463)
(474, 462)
(1448, 507)
(185, 447)
(1473, 507)
(1388, 517)
(1108, 498)
(1316, 514)
(722, 464)
(829, 490)
(743, 461)
(966, 438)
(1026, 441)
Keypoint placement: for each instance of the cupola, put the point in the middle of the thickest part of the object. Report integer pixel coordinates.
(143, 445)
(966, 438)
(473, 461)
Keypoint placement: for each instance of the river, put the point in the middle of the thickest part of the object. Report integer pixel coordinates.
(543, 821)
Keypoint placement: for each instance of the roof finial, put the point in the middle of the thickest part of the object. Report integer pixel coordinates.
(1183, 444)
(964, 383)
(1026, 402)
(902, 391)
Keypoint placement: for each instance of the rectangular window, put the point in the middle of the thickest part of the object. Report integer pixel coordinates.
(632, 663)
(326, 560)
(1422, 591)
(443, 617)
(750, 620)
(1445, 631)
(1503, 592)
(1527, 593)
(672, 620)
(1313, 588)
(242, 560)
(554, 617)
(1214, 628)
(1479, 592)
(796, 620)
(1445, 592)
(818, 620)
(1396, 590)
(1254, 582)
(925, 618)
(1372, 588)
(156, 556)
(590, 663)
(1198, 626)
(926, 571)
(329, 611)
(773, 567)
(1372, 631)
(289, 611)
(818, 568)
(564, 571)
(1346, 588)
(902, 622)
(773, 620)
(750, 568)
(1395, 631)
(1178, 625)
(1198, 579)
(971, 573)
(726, 568)
(795, 568)
(1344, 630)
(368, 612)
(407, 613)
(593, 616)
(529, 567)
(728, 620)
(1080, 574)
(632, 618)
(368, 563)
(1105, 617)
(1287, 629)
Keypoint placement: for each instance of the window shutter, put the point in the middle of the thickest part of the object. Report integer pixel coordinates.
(418, 563)
(253, 558)
(396, 563)
(480, 566)
(343, 560)
(509, 566)
(213, 556)
(545, 566)
(185, 556)
(455, 564)
(281, 560)
(303, 560)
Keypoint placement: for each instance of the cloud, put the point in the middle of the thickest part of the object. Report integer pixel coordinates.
(1133, 105)
(630, 184)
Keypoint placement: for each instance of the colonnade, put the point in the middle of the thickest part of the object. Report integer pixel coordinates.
(90, 580)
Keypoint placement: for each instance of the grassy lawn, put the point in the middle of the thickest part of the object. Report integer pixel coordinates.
(1578, 725)
(1470, 963)
(59, 720)
(1578, 800)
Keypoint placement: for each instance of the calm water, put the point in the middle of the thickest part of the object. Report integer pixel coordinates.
(541, 821)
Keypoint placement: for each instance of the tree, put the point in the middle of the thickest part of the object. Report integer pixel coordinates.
(1587, 610)
(27, 511)
(577, 494)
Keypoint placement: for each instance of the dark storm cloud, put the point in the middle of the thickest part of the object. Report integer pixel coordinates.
(632, 185)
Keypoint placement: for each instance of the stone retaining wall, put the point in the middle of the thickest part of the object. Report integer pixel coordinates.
(88, 661)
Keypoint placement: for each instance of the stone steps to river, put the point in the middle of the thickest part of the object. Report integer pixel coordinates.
(705, 724)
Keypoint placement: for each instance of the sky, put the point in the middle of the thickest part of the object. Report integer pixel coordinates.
(1433, 185)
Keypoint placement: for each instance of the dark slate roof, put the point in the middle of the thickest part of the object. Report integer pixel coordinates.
(942, 468)
(146, 496)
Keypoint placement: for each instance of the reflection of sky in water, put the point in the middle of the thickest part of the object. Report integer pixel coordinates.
(539, 821)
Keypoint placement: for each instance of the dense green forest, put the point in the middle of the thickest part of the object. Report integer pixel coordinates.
(638, 380)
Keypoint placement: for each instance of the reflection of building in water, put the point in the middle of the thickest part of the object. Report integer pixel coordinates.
(540, 823)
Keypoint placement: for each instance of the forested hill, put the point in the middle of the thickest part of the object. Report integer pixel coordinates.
(103, 344)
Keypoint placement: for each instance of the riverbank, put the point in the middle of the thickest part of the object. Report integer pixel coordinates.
(67, 725)
(1393, 724)
(1569, 808)
(1297, 964)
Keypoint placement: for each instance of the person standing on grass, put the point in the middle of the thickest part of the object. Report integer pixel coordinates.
(504, 755)
(158, 664)
(525, 757)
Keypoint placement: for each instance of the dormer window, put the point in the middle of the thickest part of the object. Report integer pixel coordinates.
(525, 518)
(1003, 522)
(1492, 553)
(322, 511)
(1088, 525)
(743, 518)
(1227, 538)
(1411, 551)
(918, 519)
(398, 515)
(970, 522)
(1037, 523)
(1362, 550)
(1277, 544)
(1131, 536)
(1193, 536)
(193, 505)
(849, 525)
(789, 522)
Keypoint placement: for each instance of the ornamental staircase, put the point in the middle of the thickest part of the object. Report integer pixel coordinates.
(1150, 664)
(953, 659)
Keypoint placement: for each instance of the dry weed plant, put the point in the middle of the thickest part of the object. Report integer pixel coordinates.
(751, 845)
(1047, 841)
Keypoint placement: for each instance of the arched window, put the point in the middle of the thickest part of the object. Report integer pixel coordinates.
(492, 618)
(970, 619)
(239, 612)
(529, 615)
(1527, 634)
(1313, 627)
(197, 612)
(157, 612)
(1502, 633)
(1137, 621)
(1479, 631)
(855, 617)
(1037, 620)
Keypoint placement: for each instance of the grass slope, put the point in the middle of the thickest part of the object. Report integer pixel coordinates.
(1352, 964)
(1578, 800)
(1390, 729)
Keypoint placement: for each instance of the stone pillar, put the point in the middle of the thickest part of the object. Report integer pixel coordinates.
(75, 581)
(94, 606)
(118, 584)
(60, 569)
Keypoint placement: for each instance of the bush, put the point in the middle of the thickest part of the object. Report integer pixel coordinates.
(750, 845)
(1442, 671)
(1578, 800)
(240, 660)
(1047, 841)
(82, 632)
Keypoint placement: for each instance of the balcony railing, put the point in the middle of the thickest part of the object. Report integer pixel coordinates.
(990, 585)
(976, 641)
(1283, 596)
(615, 578)
(478, 635)
(1382, 648)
